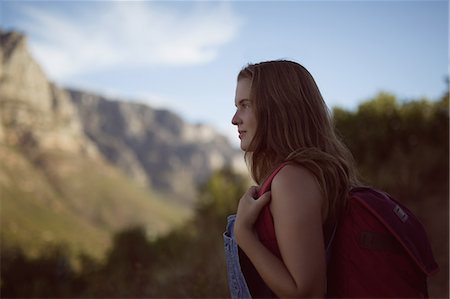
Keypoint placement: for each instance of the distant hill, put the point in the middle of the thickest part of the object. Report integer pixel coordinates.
(76, 167)
(152, 146)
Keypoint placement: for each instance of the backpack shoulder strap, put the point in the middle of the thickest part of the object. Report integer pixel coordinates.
(401, 223)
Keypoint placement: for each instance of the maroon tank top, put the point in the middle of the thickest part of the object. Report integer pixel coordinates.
(264, 225)
(266, 233)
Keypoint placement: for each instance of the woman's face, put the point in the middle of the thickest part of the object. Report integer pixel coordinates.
(244, 118)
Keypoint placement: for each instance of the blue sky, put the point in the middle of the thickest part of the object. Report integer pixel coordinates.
(184, 55)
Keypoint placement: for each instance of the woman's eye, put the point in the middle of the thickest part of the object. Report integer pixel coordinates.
(243, 105)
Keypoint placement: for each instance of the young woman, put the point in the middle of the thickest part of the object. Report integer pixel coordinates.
(276, 243)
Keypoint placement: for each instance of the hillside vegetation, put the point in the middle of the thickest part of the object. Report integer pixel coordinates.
(61, 198)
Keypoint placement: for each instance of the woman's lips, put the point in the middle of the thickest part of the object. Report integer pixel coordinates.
(241, 134)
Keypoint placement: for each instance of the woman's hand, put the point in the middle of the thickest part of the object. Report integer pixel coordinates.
(248, 210)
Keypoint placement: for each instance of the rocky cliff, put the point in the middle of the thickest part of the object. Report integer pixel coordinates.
(154, 146)
(34, 112)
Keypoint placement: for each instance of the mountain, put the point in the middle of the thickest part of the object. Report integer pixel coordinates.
(154, 146)
(76, 167)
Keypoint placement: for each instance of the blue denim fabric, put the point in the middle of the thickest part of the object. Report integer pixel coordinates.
(236, 281)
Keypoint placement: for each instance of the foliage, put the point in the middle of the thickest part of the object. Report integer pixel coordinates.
(48, 276)
(402, 148)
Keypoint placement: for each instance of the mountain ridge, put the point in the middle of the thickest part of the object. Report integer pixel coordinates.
(143, 141)
(78, 164)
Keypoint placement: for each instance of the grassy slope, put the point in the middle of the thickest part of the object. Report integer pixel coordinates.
(69, 199)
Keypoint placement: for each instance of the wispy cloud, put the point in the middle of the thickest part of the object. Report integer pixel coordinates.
(129, 34)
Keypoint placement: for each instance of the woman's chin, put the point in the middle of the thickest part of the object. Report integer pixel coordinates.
(244, 146)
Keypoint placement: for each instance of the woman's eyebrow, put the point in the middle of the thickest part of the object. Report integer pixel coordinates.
(241, 101)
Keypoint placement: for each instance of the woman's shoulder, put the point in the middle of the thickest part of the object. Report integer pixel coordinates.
(295, 180)
(293, 173)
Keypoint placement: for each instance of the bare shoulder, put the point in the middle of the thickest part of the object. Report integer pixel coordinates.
(295, 177)
(296, 183)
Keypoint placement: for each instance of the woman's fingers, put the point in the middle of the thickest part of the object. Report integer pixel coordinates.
(253, 191)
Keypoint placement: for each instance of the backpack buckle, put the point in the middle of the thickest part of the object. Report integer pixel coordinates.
(401, 214)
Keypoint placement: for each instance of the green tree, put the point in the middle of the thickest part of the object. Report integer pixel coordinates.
(400, 147)
(192, 262)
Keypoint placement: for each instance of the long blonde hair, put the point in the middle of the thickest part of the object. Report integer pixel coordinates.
(294, 124)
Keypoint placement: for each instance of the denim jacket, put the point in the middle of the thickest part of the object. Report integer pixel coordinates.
(236, 281)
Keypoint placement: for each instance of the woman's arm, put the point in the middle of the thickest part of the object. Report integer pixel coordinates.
(297, 207)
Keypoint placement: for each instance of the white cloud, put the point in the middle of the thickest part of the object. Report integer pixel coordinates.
(129, 34)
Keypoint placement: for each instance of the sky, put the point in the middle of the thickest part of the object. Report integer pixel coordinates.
(185, 55)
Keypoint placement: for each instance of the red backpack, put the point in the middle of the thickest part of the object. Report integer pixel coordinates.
(379, 250)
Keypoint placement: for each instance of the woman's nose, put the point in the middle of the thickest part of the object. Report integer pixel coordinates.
(236, 120)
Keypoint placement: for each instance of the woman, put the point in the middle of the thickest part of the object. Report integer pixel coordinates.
(285, 130)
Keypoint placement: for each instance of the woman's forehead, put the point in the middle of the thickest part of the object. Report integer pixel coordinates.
(243, 89)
